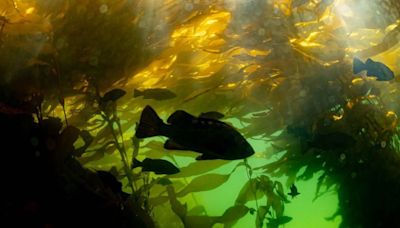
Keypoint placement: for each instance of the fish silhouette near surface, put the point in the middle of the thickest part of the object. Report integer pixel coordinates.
(158, 166)
(293, 191)
(212, 138)
(155, 94)
(373, 68)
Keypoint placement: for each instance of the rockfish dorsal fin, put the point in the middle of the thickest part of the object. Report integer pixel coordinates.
(180, 117)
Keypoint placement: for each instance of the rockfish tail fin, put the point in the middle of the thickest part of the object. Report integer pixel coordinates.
(358, 65)
(150, 124)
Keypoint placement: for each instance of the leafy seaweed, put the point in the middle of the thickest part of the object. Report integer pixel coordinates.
(204, 182)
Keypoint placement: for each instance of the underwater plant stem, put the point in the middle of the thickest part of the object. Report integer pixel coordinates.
(122, 135)
(58, 76)
(249, 175)
(186, 183)
(65, 115)
(122, 153)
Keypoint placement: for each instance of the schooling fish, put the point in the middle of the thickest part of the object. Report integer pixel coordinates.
(212, 138)
(158, 166)
(375, 69)
(155, 94)
(293, 191)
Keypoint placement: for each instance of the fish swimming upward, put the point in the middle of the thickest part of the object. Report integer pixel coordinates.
(373, 68)
(212, 138)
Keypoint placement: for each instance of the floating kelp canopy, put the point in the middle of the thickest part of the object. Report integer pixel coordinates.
(280, 71)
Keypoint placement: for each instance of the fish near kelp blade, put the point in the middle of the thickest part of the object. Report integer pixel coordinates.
(212, 138)
(159, 166)
(113, 95)
(293, 191)
(379, 70)
(358, 66)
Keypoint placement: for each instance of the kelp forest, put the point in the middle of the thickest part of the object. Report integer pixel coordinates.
(200, 113)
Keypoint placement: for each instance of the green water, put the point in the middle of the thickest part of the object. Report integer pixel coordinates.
(305, 211)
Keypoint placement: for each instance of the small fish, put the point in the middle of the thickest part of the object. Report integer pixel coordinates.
(293, 191)
(332, 141)
(155, 94)
(375, 69)
(212, 138)
(113, 95)
(212, 115)
(158, 166)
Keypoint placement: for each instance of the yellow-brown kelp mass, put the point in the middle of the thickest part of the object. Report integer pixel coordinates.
(312, 85)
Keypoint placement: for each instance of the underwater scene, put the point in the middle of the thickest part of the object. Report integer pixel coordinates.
(200, 113)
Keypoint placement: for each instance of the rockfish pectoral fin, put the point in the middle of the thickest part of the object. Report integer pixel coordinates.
(172, 145)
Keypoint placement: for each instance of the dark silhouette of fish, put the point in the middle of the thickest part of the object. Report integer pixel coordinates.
(293, 191)
(158, 166)
(155, 94)
(113, 95)
(212, 138)
(373, 68)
